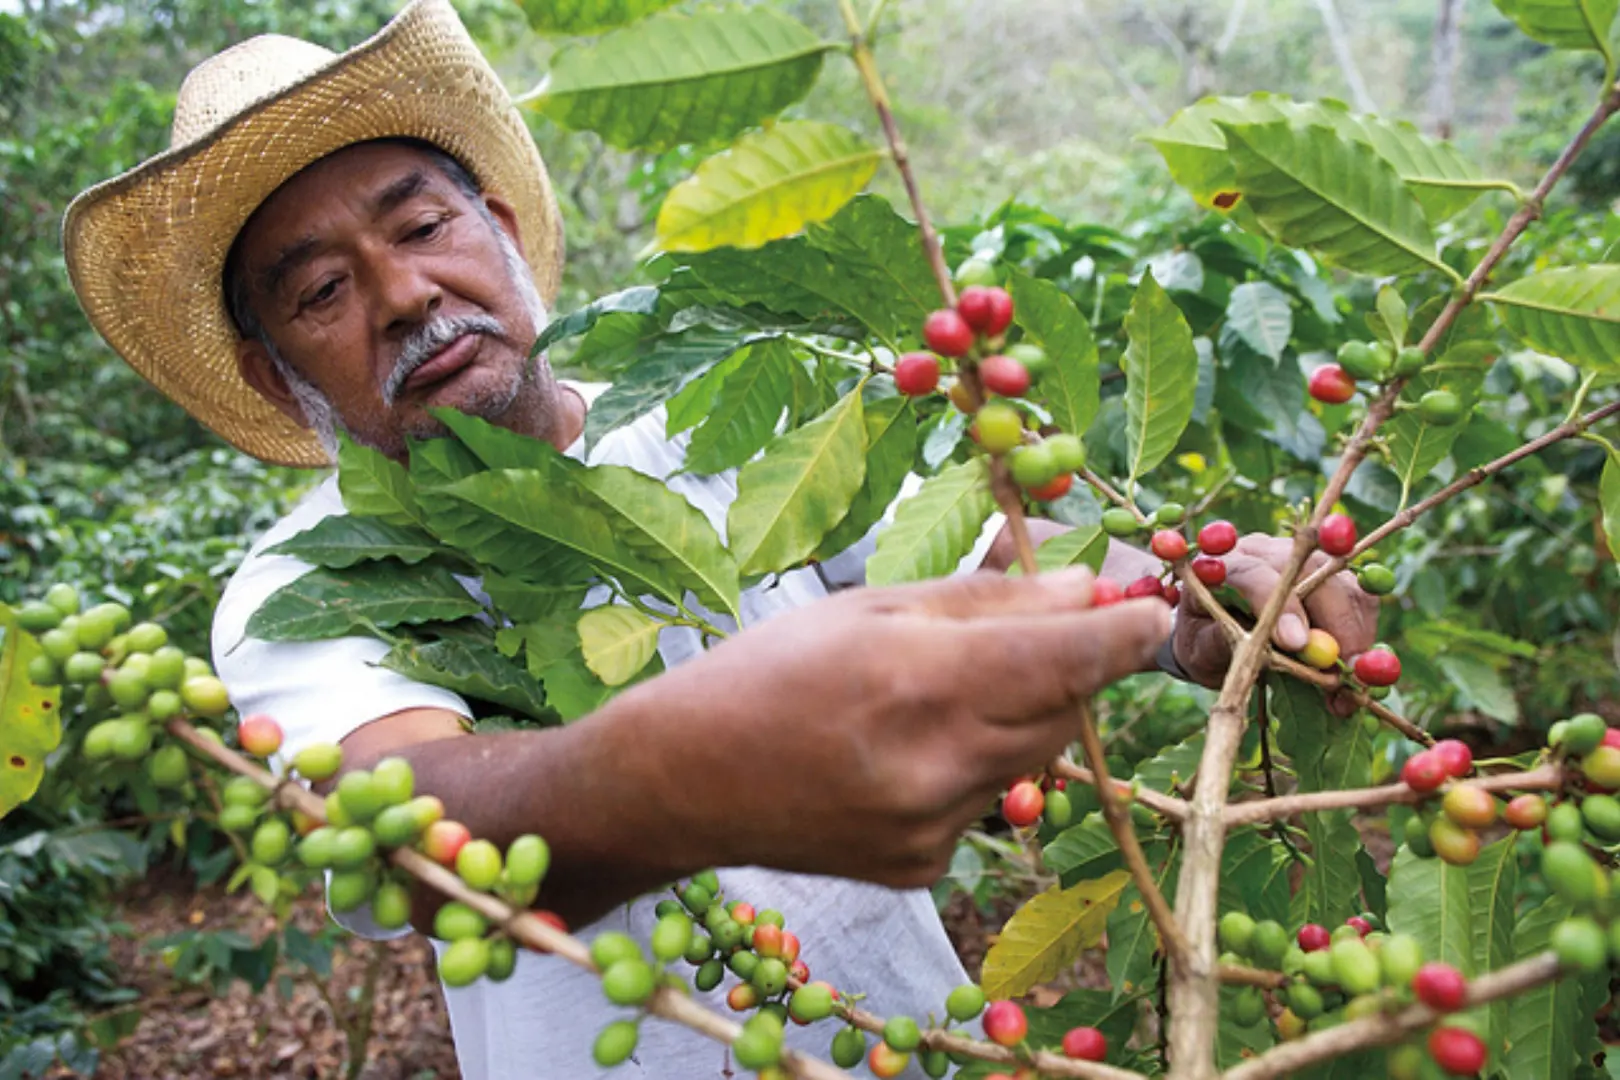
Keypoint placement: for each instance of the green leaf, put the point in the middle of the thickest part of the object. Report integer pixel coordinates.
(1161, 377)
(1260, 314)
(1050, 319)
(891, 444)
(1492, 879)
(1443, 180)
(744, 417)
(1480, 686)
(1572, 312)
(863, 264)
(791, 497)
(1254, 875)
(688, 408)
(1269, 399)
(343, 540)
(934, 529)
(667, 362)
(1327, 754)
(617, 641)
(373, 485)
(1048, 934)
(676, 79)
(1234, 1044)
(770, 184)
(1430, 899)
(30, 721)
(1563, 24)
(1172, 766)
(1085, 546)
(1609, 501)
(1392, 310)
(1084, 851)
(333, 603)
(1551, 1027)
(473, 672)
(639, 300)
(1114, 1017)
(1337, 197)
(1415, 448)
(587, 16)
(1132, 937)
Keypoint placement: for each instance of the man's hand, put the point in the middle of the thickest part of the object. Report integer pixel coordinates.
(859, 736)
(1254, 569)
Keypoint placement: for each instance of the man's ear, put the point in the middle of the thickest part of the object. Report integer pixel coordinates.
(259, 372)
(507, 218)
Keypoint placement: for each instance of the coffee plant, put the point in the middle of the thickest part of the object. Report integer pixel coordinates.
(825, 347)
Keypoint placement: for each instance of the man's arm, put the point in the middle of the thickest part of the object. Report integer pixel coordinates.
(855, 737)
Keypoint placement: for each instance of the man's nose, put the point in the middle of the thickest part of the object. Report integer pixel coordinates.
(407, 299)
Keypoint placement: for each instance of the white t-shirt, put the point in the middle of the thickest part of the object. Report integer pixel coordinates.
(543, 1020)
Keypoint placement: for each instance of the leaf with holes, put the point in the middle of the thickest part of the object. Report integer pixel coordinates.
(362, 599)
(1563, 24)
(30, 723)
(1572, 312)
(934, 529)
(743, 417)
(1311, 187)
(587, 16)
(617, 641)
(1262, 316)
(1161, 377)
(342, 540)
(891, 443)
(1048, 934)
(793, 495)
(768, 185)
(1050, 319)
(675, 78)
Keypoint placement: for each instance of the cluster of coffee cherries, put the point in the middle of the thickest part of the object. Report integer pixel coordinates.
(1344, 974)
(1375, 362)
(130, 669)
(973, 334)
(1170, 543)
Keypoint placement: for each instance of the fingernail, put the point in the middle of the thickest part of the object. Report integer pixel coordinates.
(1291, 632)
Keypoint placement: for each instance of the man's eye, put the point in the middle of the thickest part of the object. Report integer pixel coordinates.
(428, 230)
(322, 295)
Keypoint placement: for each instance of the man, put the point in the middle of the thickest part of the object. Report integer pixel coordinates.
(345, 242)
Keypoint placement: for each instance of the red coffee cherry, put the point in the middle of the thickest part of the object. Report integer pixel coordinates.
(1525, 811)
(985, 308)
(1168, 544)
(1455, 755)
(1332, 385)
(1440, 986)
(1314, 937)
(1003, 375)
(1105, 591)
(1457, 1050)
(1172, 595)
(1337, 535)
(1055, 488)
(947, 333)
(1363, 927)
(1217, 538)
(1023, 803)
(1379, 667)
(916, 374)
(1085, 1043)
(1005, 1023)
(1144, 586)
(1423, 771)
(1212, 572)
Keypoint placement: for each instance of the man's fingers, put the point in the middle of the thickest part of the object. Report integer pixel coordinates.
(990, 595)
(1031, 666)
(1256, 580)
(1202, 648)
(1347, 611)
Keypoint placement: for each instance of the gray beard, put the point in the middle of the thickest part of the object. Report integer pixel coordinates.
(323, 419)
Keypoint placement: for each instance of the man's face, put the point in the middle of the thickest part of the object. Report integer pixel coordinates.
(384, 285)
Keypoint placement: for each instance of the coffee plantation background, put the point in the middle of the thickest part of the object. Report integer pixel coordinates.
(1512, 588)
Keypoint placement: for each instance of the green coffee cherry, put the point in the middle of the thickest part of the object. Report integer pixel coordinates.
(759, 1046)
(1361, 360)
(479, 864)
(315, 850)
(82, 668)
(271, 841)
(166, 668)
(1440, 407)
(965, 1002)
(146, 637)
(59, 644)
(1305, 1000)
(1236, 932)
(902, 1033)
(128, 690)
(1032, 466)
(811, 1002)
(64, 598)
(36, 617)
(395, 826)
(238, 818)
(206, 696)
(1410, 361)
(1399, 959)
(609, 948)
(359, 795)
(615, 1043)
(975, 271)
(1584, 734)
(464, 962)
(1377, 579)
(1249, 1006)
(391, 906)
(1119, 522)
(169, 767)
(163, 705)
(1033, 357)
(1067, 451)
(456, 921)
(671, 937)
(1565, 822)
(709, 975)
(629, 982)
(1581, 945)
(848, 1048)
(1170, 515)
(527, 860)
(352, 846)
(1270, 943)
(1355, 966)
(318, 762)
(1569, 871)
(43, 671)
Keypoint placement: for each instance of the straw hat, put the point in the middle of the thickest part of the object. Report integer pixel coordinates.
(146, 250)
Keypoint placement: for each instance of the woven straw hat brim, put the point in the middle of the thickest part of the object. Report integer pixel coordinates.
(146, 250)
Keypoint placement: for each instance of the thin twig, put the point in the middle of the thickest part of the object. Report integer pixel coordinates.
(1165, 805)
(1275, 808)
(1119, 822)
(1477, 475)
(1003, 487)
(1236, 975)
(1290, 1058)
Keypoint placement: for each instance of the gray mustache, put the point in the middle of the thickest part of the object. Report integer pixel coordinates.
(428, 340)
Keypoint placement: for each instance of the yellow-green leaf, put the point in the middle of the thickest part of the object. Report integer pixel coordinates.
(1563, 24)
(1048, 933)
(1572, 312)
(617, 642)
(675, 78)
(1609, 502)
(769, 185)
(935, 528)
(1161, 377)
(798, 490)
(587, 16)
(30, 724)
